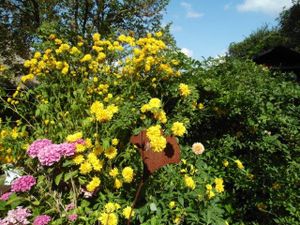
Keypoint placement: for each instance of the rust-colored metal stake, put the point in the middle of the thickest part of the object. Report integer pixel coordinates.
(135, 199)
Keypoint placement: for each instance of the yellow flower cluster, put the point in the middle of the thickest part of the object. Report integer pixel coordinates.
(184, 89)
(94, 183)
(209, 191)
(108, 216)
(101, 113)
(74, 137)
(189, 182)
(154, 106)
(219, 185)
(178, 129)
(157, 141)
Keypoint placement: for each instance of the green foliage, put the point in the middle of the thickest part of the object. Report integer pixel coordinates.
(252, 116)
(259, 41)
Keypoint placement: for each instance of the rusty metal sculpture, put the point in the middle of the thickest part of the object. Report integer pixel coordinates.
(153, 160)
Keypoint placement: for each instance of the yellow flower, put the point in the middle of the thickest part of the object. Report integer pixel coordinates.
(111, 207)
(95, 182)
(111, 152)
(172, 204)
(118, 184)
(86, 58)
(158, 34)
(114, 172)
(154, 103)
(14, 133)
(85, 168)
(108, 219)
(115, 141)
(219, 185)
(178, 129)
(189, 182)
(80, 148)
(209, 191)
(74, 137)
(210, 194)
(127, 212)
(239, 164)
(209, 187)
(96, 37)
(158, 144)
(78, 159)
(88, 143)
(200, 106)
(127, 174)
(184, 90)
(161, 116)
(225, 163)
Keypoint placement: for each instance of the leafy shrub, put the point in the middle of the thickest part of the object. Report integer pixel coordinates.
(251, 116)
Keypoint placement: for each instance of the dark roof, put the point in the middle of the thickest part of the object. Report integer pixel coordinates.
(279, 56)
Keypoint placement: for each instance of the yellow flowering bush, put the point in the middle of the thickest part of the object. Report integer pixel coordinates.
(86, 99)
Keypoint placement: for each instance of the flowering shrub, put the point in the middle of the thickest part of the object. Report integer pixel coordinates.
(87, 99)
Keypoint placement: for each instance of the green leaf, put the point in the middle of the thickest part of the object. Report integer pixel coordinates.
(69, 175)
(58, 178)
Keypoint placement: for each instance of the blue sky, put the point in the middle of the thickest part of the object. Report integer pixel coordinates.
(204, 28)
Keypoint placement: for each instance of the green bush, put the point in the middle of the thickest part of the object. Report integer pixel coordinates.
(251, 116)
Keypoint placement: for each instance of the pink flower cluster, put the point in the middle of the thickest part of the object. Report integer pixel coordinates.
(42, 220)
(72, 217)
(16, 217)
(5, 196)
(49, 153)
(23, 183)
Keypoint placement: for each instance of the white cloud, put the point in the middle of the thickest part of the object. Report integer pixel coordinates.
(190, 13)
(187, 52)
(265, 6)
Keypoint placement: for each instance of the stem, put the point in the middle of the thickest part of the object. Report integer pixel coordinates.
(16, 111)
(135, 199)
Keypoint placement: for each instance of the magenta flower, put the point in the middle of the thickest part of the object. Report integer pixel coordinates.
(70, 206)
(5, 196)
(49, 155)
(23, 183)
(80, 141)
(67, 149)
(72, 217)
(16, 217)
(36, 146)
(42, 220)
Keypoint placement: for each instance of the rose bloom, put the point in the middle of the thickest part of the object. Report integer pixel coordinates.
(198, 148)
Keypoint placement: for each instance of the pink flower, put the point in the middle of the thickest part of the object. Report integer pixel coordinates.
(49, 155)
(42, 220)
(5, 196)
(80, 141)
(70, 206)
(16, 217)
(72, 217)
(67, 149)
(36, 146)
(23, 183)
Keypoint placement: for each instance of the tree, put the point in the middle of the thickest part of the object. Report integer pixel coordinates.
(289, 22)
(21, 21)
(261, 40)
